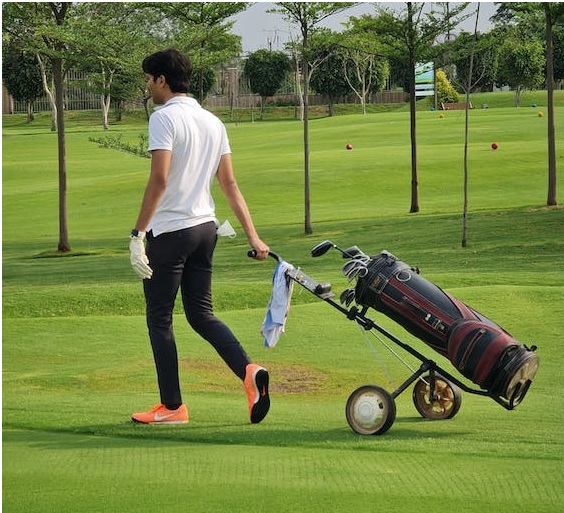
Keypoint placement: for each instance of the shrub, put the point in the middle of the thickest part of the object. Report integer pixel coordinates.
(446, 93)
(116, 143)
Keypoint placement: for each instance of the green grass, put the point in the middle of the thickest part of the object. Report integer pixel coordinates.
(76, 360)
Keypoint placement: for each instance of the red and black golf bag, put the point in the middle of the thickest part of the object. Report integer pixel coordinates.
(481, 350)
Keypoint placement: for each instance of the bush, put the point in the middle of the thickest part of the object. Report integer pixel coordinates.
(115, 143)
(446, 93)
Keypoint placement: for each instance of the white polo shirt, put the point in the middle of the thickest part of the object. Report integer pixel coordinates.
(197, 140)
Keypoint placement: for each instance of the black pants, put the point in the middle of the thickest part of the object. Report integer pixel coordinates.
(183, 259)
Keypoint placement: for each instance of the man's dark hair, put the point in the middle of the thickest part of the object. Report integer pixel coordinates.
(173, 65)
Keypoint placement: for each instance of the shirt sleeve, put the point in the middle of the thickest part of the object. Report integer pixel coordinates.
(225, 147)
(161, 132)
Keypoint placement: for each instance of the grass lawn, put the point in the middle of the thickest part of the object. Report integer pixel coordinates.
(76, 358)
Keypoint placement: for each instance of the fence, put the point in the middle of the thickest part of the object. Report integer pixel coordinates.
(246, 101)
(78, 96)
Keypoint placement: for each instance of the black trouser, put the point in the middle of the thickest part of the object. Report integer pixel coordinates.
(183, 259)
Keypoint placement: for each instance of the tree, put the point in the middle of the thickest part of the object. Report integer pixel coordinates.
(19, 32)
(266, 71)
(521, 64)
(554, 13)
(22, 77)
(206, 80)
(101, 47)
(56, 50)
(201, 29)
(365, 71)
(129, 84)
(485, 59)
(532, 18)
(306, 15)
(558, 51)
(43, 28)
(321, 45)
(407, 37)
(446, 93)
(328, 78)
(466, 131)
(104, 30)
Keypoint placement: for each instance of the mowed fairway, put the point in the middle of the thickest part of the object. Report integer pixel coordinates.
(76, 358)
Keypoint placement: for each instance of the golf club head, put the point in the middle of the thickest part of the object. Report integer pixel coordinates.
(352, 252)
(322, 248)
(347, 297)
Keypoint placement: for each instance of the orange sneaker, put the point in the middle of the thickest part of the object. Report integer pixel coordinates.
(256, 387)
(160, 414)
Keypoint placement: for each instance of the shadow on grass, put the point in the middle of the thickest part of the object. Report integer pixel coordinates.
(66, 254)
(126, 434)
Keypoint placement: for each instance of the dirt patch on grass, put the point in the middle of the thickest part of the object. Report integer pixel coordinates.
(295, 379)
(284, 379)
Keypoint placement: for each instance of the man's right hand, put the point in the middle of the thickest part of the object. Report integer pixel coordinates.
(138, 257)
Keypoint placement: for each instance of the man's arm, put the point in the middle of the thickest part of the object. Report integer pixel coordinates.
(229, 187)
(160, 167)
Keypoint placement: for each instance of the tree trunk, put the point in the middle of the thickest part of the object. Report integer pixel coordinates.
(29, 111)
(48, 92)
(146, 107)
(551, 197)
(201, 87)
(412, 112)
(105, 111)
(466, 133)
(118, 107)
(64, 245)
(307, 206)
(300, 92)
(518, 93)
(305, 117)
(106, 97)
(413, 131)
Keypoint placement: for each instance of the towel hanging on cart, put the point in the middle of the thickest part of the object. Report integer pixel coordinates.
(279, 305)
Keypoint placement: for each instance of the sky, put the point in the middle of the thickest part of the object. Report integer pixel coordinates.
(261, 29)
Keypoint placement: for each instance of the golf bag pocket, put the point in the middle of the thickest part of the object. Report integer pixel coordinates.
(475, 347)
(490, 357)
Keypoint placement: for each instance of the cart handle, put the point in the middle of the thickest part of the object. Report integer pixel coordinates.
(252, 254)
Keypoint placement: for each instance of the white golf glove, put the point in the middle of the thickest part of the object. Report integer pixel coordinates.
(138, 257)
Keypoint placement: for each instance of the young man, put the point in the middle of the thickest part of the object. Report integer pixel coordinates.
(189, 148)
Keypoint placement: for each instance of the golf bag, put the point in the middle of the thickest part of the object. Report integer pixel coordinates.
(481, 350)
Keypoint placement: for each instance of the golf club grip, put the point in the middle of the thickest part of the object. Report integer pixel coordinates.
(252, 254)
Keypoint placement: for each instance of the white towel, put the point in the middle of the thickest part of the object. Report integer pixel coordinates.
(278, 306)
(226, 230)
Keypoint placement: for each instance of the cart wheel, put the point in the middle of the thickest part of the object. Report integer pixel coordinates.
(441, 403)
(370, 410)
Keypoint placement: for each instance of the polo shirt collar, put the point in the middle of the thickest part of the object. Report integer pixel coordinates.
(181, 99)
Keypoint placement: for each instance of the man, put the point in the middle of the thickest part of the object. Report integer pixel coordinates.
(189, 148)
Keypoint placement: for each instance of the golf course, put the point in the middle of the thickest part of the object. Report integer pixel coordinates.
(76, 358)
